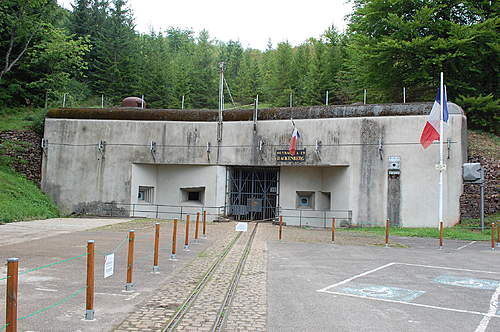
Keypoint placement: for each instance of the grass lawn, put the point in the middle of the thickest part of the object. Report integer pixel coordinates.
(468, 230)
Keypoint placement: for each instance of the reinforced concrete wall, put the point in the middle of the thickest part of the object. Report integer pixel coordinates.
(350, 162)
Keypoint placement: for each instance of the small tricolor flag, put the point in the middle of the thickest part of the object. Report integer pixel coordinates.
(293, 141)
(431, 130)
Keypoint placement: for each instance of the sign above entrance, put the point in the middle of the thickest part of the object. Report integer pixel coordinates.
(285, 156)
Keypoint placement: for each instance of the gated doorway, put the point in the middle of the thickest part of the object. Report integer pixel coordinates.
(252, 192)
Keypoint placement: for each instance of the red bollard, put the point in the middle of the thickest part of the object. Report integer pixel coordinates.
(440, 235)
(387, 226)
(11, 294)
(186, 238)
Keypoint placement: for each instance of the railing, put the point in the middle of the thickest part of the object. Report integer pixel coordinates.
(316, 218)
(158, 211)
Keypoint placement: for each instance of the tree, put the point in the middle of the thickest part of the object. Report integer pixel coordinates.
(21, 22)
(115, 62)
(397, 43)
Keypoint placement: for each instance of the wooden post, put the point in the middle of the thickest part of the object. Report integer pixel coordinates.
(156, 267)
(89, 308)
(387, 226)
(11, 294)
(204, 224)
(281, 226)
(440, 235)
(498, 234)
(186, 236)
(130, 260)
(333, 229)
(492, 236)
(197, 226)
(174, 240)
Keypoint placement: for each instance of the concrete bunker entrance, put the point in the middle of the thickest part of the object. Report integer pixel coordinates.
(252, 193)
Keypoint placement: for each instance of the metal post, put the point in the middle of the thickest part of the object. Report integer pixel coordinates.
(46, 100)
(130, 260)
(181, 214)
(300, 218)
(326, 99)
(156, 211)
(64, 100)
(11, 294)
(142, 101)
(364, 97)
(404, 95)
(481, 207)
(186, 236)
(182, 102)
(174, 240)
(291, 100)
(89, 308)
(133, 210)
(156, 267)
(102, 100)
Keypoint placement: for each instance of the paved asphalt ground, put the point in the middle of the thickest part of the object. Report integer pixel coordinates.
(44, 242)
(327, 287)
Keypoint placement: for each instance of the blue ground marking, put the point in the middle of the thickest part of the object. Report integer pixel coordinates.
(382, 292)
(467, 282)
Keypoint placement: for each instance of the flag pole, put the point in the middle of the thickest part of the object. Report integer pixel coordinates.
(441, 137)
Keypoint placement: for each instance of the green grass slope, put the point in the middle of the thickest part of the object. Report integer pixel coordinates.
(21, 199)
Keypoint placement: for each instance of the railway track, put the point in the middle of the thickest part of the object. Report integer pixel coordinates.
(224, 308)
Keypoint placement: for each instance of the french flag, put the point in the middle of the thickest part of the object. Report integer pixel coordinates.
(431, 129)
(293, 141)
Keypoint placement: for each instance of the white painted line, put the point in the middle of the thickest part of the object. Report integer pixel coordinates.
(491, 312)
(465, 246)
(416, 304)
(46, 290)
(447, 268)
(355, 277)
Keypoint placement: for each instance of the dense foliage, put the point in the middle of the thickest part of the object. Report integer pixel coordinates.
(94, 50)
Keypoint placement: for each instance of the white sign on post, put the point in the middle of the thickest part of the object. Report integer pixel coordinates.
(241, 227)
(109, 265)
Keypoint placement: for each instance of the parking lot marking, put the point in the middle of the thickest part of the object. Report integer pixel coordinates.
(447, 268)
(382, 292)
(467, 282)
(415, 304)
(466, 245)
(492, 312)
(355, 277)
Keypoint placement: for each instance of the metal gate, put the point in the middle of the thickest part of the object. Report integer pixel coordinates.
(252, 192)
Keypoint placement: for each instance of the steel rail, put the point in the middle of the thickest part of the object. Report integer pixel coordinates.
(186, 305)
(224, 310)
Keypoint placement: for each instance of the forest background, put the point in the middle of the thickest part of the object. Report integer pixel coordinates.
(48, 53)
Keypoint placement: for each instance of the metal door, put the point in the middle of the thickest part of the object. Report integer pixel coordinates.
(252, 192)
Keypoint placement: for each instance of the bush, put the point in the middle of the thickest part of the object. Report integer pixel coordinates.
(38, 122)
(482, 112)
